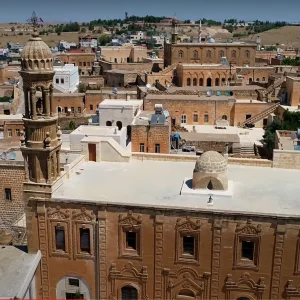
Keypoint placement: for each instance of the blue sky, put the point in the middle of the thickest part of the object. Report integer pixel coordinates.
(85, 10)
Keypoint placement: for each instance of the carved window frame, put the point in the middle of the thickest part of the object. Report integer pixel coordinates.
(130, 223)
(58, 217)
(297, 265)
(250, 233)
(83, 220)
(187, 228)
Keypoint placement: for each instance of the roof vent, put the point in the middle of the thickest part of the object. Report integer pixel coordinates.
(158, 108)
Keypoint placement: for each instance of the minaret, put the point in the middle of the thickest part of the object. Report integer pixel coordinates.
(174, 31)
(200, 30)
(41, 143)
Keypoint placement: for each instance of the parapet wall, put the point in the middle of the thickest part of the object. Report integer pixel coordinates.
(286, 159)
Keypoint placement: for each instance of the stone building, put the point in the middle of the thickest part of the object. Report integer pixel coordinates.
(239, 54)
(121, 226)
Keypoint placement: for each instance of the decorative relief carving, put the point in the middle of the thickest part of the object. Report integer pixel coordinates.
(245, 284)
(291, 291)
(102, 254)
(216, 253)
(128, 273)
(277, 261)
(130, 220)
(159, 220)
(83, 216)
(187, 224)
(249, 228)
(186, 278)
(57, 213)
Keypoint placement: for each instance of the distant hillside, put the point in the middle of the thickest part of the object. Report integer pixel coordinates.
(288, 35)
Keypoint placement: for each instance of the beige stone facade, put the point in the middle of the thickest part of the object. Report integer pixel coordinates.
(124, 54)
(293, 91)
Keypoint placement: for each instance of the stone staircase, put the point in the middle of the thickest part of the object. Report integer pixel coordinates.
(260, 116)
(243, 149)
(265, 94)
(168, 69)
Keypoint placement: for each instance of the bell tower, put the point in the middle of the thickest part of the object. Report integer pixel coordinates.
(40, 144)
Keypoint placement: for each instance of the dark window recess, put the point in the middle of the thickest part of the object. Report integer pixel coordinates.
(188, 245)
(73, 296)
(91, 107)
(85, 240)
(129, 293)
(7, 194)
(60, 238)
(74, 282)
(131, 239)
(248, 250)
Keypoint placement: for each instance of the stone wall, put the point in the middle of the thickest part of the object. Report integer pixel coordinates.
(92, 80)
(149, 136)
(293, 91)
(209, 145)
(61, 102)
(65, 121)
(137, 67)
(286, 159)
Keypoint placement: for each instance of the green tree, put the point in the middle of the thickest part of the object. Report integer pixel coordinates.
(13, 29)
(83, 30)
(269, 136)
(72, 126)
(104, 39)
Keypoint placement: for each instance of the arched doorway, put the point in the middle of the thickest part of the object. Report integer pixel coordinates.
(59, 109)
(72, 287)
(208, 81)
(119, 125)
(223, 81)
(224, 117)
(195, 82)
(129, 293)
(201, 81)
(39, 106)
(108, 123)
(217, 82)
(250, 80)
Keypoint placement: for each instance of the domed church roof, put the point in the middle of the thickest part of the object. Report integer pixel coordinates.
(211, 162)
(36, 55)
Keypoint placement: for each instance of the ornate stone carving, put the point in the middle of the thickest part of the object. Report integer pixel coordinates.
(216, 253)
(277, 261)
(83, 216)
(187, 224)
(244, 284)
(128, 273)
(249, 228)
(57, 213)
(102, 253)
(130, 220)
(186, 278)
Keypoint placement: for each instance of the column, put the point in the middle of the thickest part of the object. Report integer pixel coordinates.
(50, 99)
(27, 113)
(54, 162)
(46, 101)
(49, 170)
(33, 102)
(58, 163)
(26, 167)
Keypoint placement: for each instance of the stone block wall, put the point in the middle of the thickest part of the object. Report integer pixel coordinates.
(293, 91)
(12, 176)
(286, 159)
(157, 134)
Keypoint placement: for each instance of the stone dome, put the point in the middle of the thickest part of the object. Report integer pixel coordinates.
(211, 162)
(36, 55)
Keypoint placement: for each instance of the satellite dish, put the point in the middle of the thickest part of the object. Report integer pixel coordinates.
(115, 90)
(227, 93)
(219, 93)
(3, 156)
(148, 85)
(12, 156)
(209, 93)
(293, 136)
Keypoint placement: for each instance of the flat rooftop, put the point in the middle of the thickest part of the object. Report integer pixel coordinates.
(96, 130)
(121, 72)
(222, 136)
(144, 117)
(189, 97)
(119, 103)
(157, 184)
(15, 267)
(109, 91)
(11, 117)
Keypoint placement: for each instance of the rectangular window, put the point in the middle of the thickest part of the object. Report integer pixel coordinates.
(79, 109)
(91, 107)
(183, 119)
(66, 109)
(73, 282)
(195, 118)
(57, 80)
(62, 81)
(157, 148)
(131, 240)
(73, 296)
(72, 109)
(60, 238)
(84, 64)
(188, 245)
(9, 132)
(80, 64)
(248, 117)
(142, 147)
(247, 250)
(85, 240)
(17, 132)
(205, 118)
(7, 194)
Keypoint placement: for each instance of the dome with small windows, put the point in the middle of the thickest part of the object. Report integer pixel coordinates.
(36, 55)
(210, 172)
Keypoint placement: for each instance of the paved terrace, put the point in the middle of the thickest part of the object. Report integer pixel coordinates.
(256, 190)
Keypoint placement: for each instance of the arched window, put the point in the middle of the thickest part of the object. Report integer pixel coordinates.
(208, 81)
(264, 79)
(195, 82)
(233, 54)
(257, 79)
(201, 81)
(247, 54)
(129, 293)
(221, 54)
(108, 123)
(208, 54)
(223, 81)
(119, 125)
(116, 60)
(72, 287)
(186, 294)
(250, 80)
(195, 54)
(39, 106)
(188, 81)
(180, 53)
(224, 117)
(210, 186)
(217, 81)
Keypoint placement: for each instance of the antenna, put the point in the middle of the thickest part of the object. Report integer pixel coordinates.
(3, 156)
(293, 136)
(35, 20)
(209, 93)
(219, 93)
(148, 85)
(12, 156)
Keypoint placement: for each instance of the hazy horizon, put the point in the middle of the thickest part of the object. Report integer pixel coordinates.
(84, 11)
